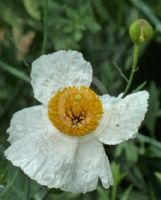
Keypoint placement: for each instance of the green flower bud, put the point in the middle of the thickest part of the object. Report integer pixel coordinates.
(141, 31)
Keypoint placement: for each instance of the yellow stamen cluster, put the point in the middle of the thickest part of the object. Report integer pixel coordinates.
(75, 111)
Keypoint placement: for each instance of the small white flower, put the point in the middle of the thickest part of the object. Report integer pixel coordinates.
(59, 143)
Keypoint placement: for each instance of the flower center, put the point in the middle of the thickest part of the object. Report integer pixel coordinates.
(75, 111)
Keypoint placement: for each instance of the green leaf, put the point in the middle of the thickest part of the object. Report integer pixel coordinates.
(158, 175)
(10, 184)
(140, 87)
(102, 193)
(149, 140)
(32, 7)
(154, 110)
(8, 15)
(127, 193)
(130, 150)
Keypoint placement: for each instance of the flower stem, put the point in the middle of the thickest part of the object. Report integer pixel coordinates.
(28, 189)
(45, 26)
(134, 67)
(114, 189)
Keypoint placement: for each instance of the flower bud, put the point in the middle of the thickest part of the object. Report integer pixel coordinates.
(141, 31)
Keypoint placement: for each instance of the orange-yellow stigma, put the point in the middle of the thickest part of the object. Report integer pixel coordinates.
(75, 111)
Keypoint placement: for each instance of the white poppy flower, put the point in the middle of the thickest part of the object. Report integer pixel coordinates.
(59, 143)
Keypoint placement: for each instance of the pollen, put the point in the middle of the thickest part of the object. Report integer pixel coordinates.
(75, 111)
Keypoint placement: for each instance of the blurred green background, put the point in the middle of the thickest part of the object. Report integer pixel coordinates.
(99, 29)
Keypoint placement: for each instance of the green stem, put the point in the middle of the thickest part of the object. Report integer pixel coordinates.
(114, 189)
(28, 189)
(45, 31)
(134, 66)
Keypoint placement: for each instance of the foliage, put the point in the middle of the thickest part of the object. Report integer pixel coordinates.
(99, 29)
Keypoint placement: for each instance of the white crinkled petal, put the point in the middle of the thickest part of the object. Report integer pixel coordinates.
(26, 121)
(91, 163)
(58, 70)
(44, 157)
(122, 118)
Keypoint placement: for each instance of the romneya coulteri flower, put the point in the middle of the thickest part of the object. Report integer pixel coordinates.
(60, 142)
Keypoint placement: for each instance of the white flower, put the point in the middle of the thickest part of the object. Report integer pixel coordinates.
(59, 143)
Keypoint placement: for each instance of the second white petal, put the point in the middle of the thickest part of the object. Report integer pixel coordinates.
(122, 118)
